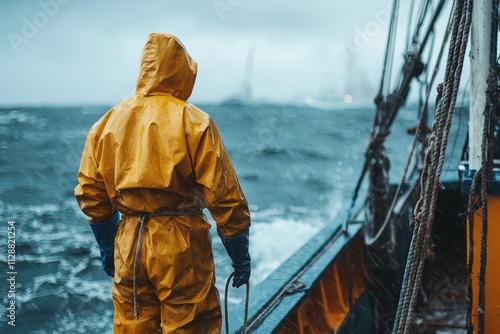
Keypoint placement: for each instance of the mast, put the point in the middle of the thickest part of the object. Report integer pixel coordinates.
(480, 69)
(483, 228)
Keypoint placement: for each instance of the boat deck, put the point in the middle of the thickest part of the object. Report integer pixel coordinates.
(442, 306)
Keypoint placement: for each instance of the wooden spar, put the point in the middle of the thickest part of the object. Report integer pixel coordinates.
(485, 314)
(480, 67)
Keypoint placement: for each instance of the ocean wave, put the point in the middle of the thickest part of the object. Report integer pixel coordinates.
(274, 242)
(14, 116)
(286, 159)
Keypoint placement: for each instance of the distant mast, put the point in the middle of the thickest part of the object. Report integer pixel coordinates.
(244, 95)
(247, 83)
(480, 68)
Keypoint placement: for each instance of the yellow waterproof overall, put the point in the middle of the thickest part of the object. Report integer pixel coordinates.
(155, 152)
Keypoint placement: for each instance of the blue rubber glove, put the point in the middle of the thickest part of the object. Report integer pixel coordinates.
(105, 233)
(237, 249)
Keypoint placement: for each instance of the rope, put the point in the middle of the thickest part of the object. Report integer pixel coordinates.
(408, 28)
(226, 313)
(420, 247)
(394, 31)
(421, 125)
(483, 248)
(387, 108)
(396, 99)
(142, 219)
(423, 10)
(390, 46)
(470, 259)
(427, 206)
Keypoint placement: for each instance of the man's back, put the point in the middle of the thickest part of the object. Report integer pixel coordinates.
(159, 161)
(145, 148)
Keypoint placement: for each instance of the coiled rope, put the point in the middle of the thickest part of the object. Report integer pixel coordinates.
(226, 313)
(420, 247)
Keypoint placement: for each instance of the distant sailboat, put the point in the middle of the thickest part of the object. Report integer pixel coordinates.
(245, 94)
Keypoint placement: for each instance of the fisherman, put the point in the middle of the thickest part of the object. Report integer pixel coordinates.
(159, 160)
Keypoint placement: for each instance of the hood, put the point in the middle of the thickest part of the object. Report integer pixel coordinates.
(166, 68)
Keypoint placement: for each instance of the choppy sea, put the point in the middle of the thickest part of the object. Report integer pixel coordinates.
(297, 166)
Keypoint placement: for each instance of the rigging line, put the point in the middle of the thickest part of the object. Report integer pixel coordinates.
(371, 241)
(441, 51)
(424, 9)
(356, 191)
(387, 48)
(361, 178)
(437, 66)
(425, 84)
(464, 33)
(431, 51)
(424, 210)
(396, 100)
(422, 90)
(378, 101)
(392, 51)
(395, 107)
(485, 176)
(430, 29)
(407, 79)
(408, 28)
(470, 256)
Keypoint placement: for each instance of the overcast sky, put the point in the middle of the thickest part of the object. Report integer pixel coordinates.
(87, 52)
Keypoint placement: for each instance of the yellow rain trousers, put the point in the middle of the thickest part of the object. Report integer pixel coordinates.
(155, 152)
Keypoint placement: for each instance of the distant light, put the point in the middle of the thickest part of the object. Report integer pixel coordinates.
(347, 98)
(308, 99)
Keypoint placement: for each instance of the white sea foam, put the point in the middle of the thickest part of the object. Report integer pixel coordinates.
(274, 242)
(278, 232)
(90, 290)
(13, 116)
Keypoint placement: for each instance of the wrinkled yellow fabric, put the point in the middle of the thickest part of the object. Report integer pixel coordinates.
(152, 152)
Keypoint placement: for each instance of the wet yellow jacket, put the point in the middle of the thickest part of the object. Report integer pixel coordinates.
(155, 151)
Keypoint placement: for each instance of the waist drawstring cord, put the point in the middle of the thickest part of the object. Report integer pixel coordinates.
(143, 218)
